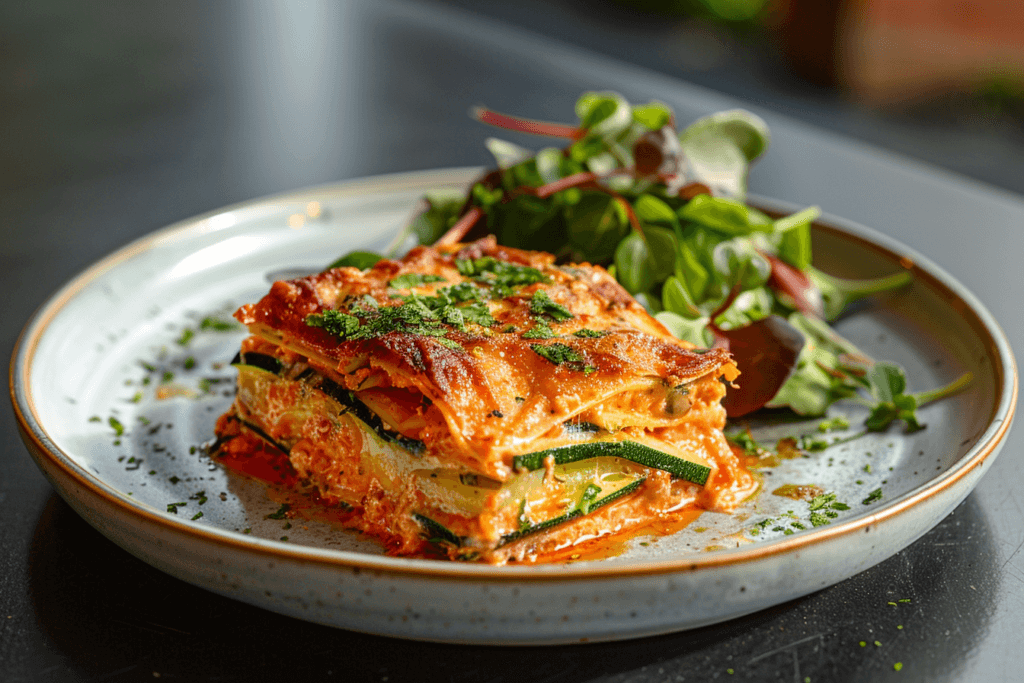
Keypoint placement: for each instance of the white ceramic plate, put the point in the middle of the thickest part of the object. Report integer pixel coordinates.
(87, 355)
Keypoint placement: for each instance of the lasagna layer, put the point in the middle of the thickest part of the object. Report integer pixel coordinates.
(485, 399)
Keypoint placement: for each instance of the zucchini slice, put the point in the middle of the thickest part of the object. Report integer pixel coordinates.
(360, 410)
(594, 496)
(255, 368)
(628, 450)
(259, 360)
(437, 532)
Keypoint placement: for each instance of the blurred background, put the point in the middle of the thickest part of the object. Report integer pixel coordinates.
(939, 80)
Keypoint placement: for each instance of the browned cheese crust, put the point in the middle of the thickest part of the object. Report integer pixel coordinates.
(479, 394)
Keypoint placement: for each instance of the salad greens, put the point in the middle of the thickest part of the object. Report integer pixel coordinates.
(666, 213)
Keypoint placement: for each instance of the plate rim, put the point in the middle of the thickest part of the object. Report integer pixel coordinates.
(46, 452)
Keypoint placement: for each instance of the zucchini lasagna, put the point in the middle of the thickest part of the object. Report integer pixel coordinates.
(482, 400)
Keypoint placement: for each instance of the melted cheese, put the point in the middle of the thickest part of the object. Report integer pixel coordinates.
(477, 397)
(494, 393)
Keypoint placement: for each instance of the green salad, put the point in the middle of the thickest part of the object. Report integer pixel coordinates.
(665, 211)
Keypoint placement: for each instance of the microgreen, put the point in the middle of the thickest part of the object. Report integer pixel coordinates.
(666, 211)
(838, 293)
(356, 259)
(888, 385)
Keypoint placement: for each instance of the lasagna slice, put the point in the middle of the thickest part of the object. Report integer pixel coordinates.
(482, 400)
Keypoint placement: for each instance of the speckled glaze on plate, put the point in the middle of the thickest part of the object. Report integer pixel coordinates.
(113, 344)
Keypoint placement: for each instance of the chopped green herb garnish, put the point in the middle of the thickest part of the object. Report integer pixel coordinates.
(410, 280)
(186, 337)
(116, 425)
(542, 305)
(190, 363)
(809, 443)
(502, 276)
(820, 519)
(336, 323)
(827, 501)
(560, 354)
(197, 515)
(463, 291)
(585, 332)
(872, 497)
(217, 325)
(477, 314)
(95, 418)
(136, 397)
(898, 665)
(173, 507)
(206, 383)
(449, 344)
(166, 377)
(433, 316)
(281, 512)
(540, 330)
(745, 440)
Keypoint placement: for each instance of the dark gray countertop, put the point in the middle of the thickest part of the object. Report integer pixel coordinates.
(120, 118)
